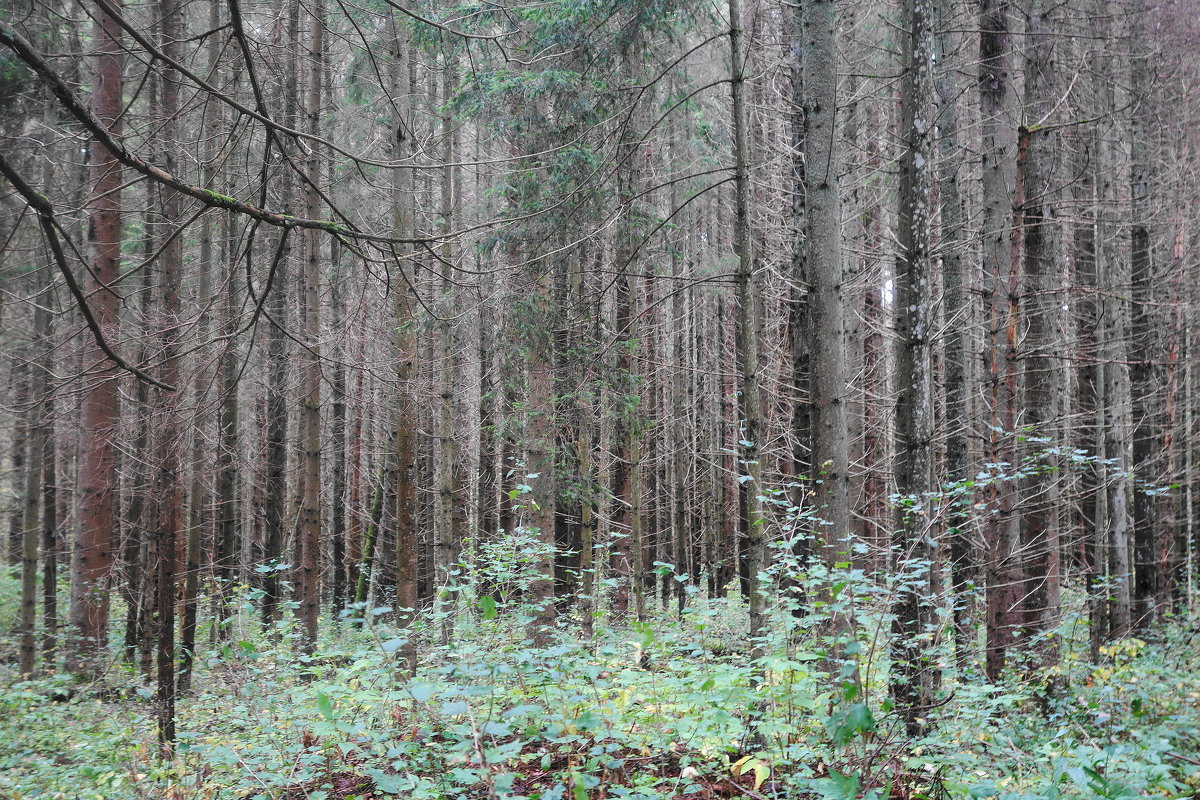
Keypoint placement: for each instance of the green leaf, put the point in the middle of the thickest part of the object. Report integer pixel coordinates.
(487, 604)
(454, 707)
(388, 784)
(845, 786)
(524, 710)
(422, 691)
(850, 721)
(325, 706)
(577, 788)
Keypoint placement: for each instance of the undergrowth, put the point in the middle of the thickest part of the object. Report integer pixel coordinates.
(670, 708)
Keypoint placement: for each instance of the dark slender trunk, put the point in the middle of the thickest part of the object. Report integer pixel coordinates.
(51, 544)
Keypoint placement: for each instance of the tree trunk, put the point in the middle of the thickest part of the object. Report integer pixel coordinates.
(1143, 377)
(309, 529)
(337, 539)
(446, 535)
(198, 499)
(277, 355)
(92, 557)
(404, 450)
(51, 543)
(227, 512)
(914, 677)
(750, 473)
(1040, 367)
(168, 489)
(999, 182)
(31, 498)
(829, 449)
(1114, 414)
(39, 471)
(958, 306)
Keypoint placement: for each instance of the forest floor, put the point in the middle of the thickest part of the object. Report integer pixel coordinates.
(674, 708)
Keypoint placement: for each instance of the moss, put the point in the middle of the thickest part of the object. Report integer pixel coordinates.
(219, 199)
(332, 227)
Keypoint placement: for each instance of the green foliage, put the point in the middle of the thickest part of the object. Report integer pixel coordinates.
(506, 565)
(490, 714)
(58, 740)
(10, 599)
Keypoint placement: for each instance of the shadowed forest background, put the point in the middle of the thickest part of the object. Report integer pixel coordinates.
(593, 398)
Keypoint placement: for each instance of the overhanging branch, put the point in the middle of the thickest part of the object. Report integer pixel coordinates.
(45, 212)
(59, 88)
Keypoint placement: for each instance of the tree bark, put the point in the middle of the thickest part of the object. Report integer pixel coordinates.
(403, 468)
(276, 487)
(1040, 367)
(958, 317)
(1143, 377)
(914, 677)
(829, 434)
(999, 193)
(168, 489)
(750, 471)
(92, 557)
(309, 530)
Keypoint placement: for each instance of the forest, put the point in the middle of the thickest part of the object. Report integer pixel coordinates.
(599, 399)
